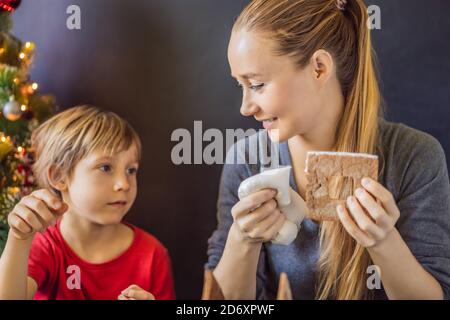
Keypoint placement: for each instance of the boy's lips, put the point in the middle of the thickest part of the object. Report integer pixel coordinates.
(118, 203)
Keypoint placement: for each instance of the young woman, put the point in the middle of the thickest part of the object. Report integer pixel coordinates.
(306, 70)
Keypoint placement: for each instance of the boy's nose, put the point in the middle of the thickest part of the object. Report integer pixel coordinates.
(122, 183)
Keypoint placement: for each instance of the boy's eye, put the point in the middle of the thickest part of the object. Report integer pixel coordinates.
(240, 86)
(132, 170)
(105, 168)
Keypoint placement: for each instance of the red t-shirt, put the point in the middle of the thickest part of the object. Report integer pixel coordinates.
(61, 274)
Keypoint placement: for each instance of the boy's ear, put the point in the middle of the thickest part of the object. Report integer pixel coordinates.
(56, 178)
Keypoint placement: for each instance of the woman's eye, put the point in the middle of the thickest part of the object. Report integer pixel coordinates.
(252, 87)
(105, 168)
(257, 86)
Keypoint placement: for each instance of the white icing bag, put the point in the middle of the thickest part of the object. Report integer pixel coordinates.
(290, 203)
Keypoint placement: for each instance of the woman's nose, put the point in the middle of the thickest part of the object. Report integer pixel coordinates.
(248, 107)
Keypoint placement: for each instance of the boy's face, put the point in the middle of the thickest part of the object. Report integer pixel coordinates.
(102, 189)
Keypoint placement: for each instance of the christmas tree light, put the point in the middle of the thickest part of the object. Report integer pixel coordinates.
(21, 111)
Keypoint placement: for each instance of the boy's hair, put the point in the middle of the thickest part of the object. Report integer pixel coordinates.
(65, 139)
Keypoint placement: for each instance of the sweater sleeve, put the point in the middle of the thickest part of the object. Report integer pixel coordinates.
(424, 204)
(236, 169)
(232, 175)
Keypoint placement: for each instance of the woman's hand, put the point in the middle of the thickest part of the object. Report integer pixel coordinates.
(373, 214)
(257, 216)
(135, 292)
(34, 213)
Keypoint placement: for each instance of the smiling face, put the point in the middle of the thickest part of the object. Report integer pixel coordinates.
(102, 189)
(288, 100)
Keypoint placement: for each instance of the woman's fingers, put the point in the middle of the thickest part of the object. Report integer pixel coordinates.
(259, 231)
(371, 214)
(382, 194)
(273, 230)
(351, 227)
(250, 220)
(257, 215)
(362, 219)
(252, 202)
(374, 209)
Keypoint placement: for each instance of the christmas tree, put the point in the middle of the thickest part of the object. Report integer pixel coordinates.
(21, 111)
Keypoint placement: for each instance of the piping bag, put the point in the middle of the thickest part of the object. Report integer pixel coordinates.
(290, 203)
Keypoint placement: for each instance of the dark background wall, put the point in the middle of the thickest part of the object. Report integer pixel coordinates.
(162, 65)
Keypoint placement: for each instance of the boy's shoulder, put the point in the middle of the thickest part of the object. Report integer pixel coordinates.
(48, 239)
(147, 241)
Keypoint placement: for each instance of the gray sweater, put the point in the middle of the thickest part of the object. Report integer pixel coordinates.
(415, 173)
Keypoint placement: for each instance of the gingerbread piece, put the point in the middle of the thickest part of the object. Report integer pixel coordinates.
(332, 177)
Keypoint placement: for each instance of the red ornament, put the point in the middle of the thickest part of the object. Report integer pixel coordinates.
(9, 5)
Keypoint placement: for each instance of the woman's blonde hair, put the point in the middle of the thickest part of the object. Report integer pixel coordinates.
(70, 136)
(299, 28)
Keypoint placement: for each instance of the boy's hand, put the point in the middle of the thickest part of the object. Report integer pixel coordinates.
(34, 213)
(134, 292)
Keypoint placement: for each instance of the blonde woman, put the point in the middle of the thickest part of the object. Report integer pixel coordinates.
(67, 239)
(306, 70)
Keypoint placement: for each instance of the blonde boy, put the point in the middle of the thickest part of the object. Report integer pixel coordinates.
(67, 240)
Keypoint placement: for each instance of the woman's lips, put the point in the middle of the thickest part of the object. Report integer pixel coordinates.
(269, 123)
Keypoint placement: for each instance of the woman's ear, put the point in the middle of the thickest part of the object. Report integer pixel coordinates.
(56, 178)
(322, 66)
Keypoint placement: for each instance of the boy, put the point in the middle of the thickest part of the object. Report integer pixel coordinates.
(67, 240)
